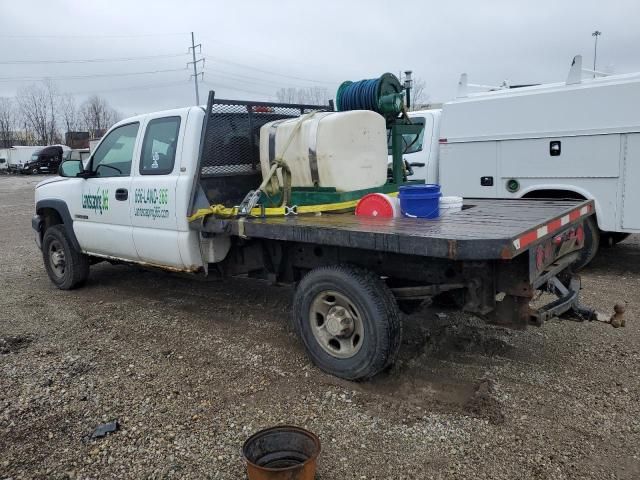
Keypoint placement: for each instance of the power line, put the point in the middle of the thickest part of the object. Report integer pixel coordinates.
(235, 88)
(261, 81)
(90, 60)
(246, 79)
(216, 59)
(77, 77)
(123, 35)
(137, 87)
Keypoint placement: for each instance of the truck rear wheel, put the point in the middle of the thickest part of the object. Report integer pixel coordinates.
(67, 267)
(348, 321)
(591, 244)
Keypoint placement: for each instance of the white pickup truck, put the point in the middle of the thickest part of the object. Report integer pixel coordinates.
(574, 139)
(137, 201)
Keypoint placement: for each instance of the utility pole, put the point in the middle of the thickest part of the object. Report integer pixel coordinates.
(195, 65)
(595, 34)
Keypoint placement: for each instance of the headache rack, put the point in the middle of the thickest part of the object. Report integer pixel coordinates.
(229, 158)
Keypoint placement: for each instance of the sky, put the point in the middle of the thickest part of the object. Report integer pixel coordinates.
(134, 53)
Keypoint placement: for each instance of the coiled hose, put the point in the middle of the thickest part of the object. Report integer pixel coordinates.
(360, 95)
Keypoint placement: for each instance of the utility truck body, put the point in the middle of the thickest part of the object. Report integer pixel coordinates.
(145, 197)
(564, 140)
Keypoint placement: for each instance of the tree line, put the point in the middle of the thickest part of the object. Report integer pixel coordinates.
(320, 95)
(40, 114)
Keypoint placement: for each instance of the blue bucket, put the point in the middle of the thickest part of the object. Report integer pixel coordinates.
(420, 201)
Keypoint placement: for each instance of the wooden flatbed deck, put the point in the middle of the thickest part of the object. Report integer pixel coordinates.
(485, 229)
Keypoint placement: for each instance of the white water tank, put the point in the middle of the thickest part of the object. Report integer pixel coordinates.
(344, 150)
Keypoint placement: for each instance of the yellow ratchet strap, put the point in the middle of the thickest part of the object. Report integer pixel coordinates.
(221, 211)
(229, 212)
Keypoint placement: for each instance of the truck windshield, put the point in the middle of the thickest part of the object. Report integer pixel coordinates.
(411, 143)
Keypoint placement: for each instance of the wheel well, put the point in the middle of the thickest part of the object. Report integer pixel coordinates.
(50, 217)
(554, 194)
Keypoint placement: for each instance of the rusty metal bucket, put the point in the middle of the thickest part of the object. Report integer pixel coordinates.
(281, 453)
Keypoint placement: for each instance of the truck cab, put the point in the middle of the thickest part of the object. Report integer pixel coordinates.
(124, 204)
(421, 151)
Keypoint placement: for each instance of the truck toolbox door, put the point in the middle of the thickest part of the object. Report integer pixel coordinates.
(101, 216)
(153, 206)
(631, 198)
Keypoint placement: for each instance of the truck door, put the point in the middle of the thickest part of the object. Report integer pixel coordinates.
(101, 218)
(153, 206)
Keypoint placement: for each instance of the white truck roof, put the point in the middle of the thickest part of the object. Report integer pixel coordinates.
(594, 106)
(162, 113)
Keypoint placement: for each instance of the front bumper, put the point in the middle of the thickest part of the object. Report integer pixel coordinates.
(36, 224)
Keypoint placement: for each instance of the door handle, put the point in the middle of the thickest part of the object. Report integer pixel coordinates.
(122, 194)
(486, 181)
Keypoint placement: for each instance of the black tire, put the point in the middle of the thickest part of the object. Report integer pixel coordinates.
(591, 244)
(611, 239)
(377, 315)
(67, 267)
(34, 171)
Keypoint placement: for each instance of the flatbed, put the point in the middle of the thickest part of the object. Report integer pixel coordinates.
(483, 230)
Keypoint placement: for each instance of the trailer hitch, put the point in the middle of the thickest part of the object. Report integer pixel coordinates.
(567, 301)
(568, 306)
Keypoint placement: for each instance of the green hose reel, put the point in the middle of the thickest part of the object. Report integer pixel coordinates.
(383, 95)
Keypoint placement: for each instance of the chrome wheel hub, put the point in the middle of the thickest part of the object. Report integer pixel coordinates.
(336, 324)
(57, 258)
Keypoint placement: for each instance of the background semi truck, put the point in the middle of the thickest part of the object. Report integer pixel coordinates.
(18, 156)
(576, 139)
(182, 190)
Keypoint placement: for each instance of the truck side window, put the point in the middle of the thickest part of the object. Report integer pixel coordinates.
(113, 156)
(159, 146)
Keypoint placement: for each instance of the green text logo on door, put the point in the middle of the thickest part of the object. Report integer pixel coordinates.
(98, 202)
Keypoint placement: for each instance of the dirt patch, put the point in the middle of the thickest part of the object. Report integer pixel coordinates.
(484, 402)
(14, 343)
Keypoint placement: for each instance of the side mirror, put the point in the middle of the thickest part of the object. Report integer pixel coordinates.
(70, 168)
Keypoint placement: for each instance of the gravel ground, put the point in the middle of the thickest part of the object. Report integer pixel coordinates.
(190, 369)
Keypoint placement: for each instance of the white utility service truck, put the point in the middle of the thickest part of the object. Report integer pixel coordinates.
(575, 139)
(145, 198)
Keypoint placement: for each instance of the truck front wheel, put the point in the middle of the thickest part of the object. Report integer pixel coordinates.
(67, 267)
(348, 321)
